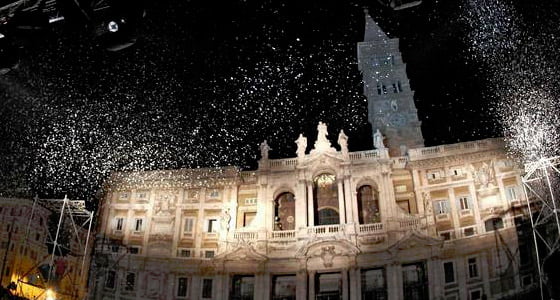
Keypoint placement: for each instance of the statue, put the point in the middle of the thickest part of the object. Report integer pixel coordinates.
(264, 150)
(322, 142)
(378, 140)
(226, 218)
(301, 146)
(343, 143)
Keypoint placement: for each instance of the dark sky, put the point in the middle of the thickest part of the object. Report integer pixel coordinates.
(207, 81)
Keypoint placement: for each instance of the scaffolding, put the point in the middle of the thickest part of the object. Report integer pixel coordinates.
(541, 185)
(67, 211)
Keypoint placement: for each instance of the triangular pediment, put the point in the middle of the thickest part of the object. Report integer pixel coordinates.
(242, 253)
(327, 158)
(414, 239)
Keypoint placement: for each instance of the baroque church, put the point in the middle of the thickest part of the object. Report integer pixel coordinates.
(400, 221)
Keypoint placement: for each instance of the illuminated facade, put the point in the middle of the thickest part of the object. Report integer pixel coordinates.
(24, 255)
(402, 222)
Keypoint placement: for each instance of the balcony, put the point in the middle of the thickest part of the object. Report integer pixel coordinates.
(283, 235)
(452, 149)
(443, 217)
(374, 228)
(246, 235)
(326, 230)
(463, 213)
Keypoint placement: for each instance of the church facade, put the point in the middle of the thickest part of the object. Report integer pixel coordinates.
(401, 221)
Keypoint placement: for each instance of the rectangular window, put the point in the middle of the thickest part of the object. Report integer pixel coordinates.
(469, 231)
(212, 225)
(182, 286)
(473, 267)
(207, 288)
(110, 279)
(449, 272)
(511, 193)
(208, 253)
(114, 248)
(130, 283)
(475, 294)
(446, 236)
(243, 287)
(188, 226)
(138, 225)
(184, 252)
(134, 250)
(119, 224)
(250, 201)
(284, 287)
(123, 196)
(464, 202)
(373, 284)
(248, 218)
(441, 207)
(142, 196)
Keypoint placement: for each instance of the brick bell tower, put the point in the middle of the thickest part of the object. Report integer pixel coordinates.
(391, 108)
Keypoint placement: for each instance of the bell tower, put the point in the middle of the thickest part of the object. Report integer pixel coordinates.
(391, 106)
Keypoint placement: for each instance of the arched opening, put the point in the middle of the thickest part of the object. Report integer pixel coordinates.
(284, 212)
(368, 205)
(325, 196)
(328, 216)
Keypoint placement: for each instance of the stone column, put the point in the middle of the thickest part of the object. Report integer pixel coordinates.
(476, 209)
(341, 203)
(310, 205)
(311, 286)
(195, 290)
(351, 203)
(394, 281)
(454, 212)
(435, 281)
(301, 285)
(233, 208)
(177, 230)
(301, 205)
(345, 284)
(355, 284)
(129, 226)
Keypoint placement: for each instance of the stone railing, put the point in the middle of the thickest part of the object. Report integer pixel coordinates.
(282, 235)
(246, 235)
(452, 149)
(286, 163)
(368, 155)
(399, 162)
(325, 229)
(371, 228)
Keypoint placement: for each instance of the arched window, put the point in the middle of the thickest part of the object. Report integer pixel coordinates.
(368, 205)
(325, 195)
(284, 212)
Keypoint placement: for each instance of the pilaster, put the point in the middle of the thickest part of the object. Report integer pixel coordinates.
(310, 205)
(341, 203)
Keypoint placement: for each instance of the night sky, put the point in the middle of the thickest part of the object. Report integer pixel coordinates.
(208, 81)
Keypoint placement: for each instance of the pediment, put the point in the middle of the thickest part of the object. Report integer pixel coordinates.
(334, 247)
(321, 159)
(244, 252)
(415, 239)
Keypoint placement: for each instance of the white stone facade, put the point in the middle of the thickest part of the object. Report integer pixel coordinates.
(214, 232)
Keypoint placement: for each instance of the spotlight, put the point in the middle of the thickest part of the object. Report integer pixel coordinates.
(50, 295)
(113, 26)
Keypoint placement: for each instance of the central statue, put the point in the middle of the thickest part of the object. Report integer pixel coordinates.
(322, 143)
